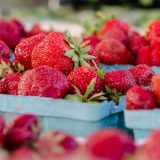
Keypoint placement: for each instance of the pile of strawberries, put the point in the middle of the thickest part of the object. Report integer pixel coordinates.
(56, 65)
(22, 139)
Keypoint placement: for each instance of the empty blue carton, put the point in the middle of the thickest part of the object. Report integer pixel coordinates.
(74, 117)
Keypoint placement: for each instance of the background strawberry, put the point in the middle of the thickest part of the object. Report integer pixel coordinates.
(140, 98)
(120, 80)
(44, 81)
(24, 49)
(111, 51)
(5, 51)
(142, 74)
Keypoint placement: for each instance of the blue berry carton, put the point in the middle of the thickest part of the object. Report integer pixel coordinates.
(75, 117)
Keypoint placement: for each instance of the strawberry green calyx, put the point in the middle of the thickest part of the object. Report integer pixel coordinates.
(18, 67)
(113, 94)
(5, 68)
(79, 51)
(86, 98)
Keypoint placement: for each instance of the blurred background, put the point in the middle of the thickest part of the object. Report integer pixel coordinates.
(69, 14)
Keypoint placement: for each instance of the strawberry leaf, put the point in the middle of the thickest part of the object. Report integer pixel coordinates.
(98, 96)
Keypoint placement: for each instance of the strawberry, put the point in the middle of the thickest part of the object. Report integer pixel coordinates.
(36, 29)
(155, 84)
(117, 34)
(153, 31)
(136, 42)
(24, 153)
(24, 49)
(120, 80)
(111, 51)
(62, 52)
(9, 33)
(143, 56)
(56, 144)
(5, 51)
(19, 26)
(151, 146)
(93, 40)
(44, 81)
(142, 74)
(81, 77)
(116, 23)
(110, 144)
(11, 82)
(2, 86)
(140, 98)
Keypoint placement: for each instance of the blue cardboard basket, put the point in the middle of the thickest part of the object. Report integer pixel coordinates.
(74, 117)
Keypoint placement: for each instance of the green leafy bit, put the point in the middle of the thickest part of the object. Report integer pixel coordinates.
(86, 97)
(113, 94)
(101, 72)
(5, 68)
(79, 51)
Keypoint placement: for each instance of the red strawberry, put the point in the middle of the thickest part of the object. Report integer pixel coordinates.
(140, 98)
(151, 146)
(120, 80)
(117, 34)
(5, 51)
(143, 57)
(11, 82)
(2, 86)
(9, 33)
(136, 42)
(24, 49)
(116, 23)
(61, 51)
(81, 78)
(110, 144)
(24, 153)
(153, 32)
(93, 40)
(56, 144)
(36, 29)
(155, 85)
(142, 74)
(44, 81)
(111, 51)
(19, 26)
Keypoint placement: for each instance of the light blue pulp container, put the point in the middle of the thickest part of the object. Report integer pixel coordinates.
(74, 117)
(143, 122)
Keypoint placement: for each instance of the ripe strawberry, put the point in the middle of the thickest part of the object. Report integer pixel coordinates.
(36, 29)
(110, 144)
(136, 42)
(24, 153)
(44, 81)
(81, 78)
(2, 86)
(11, 82)
(61, 51)
(142, 74)
(111, 51)
(155, 84)
(9, 33)
(24, 49)
(5, 51)
(116, 23)
(120, 80)
(151, 146)
(19, 26)
(143, 57)
(93, 40)
(56, 144)
(153, 31)
(140, 98)
(117, 34)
